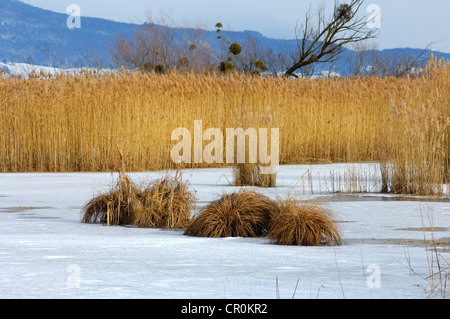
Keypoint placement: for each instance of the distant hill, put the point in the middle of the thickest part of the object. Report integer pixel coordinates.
(36, 36)
(33, 35)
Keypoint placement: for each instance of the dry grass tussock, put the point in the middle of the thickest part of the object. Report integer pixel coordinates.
(168, 203)
(303, 224)
(250, 214)
(240, 214)
(164, 203)
(115, 207)
(249, 174)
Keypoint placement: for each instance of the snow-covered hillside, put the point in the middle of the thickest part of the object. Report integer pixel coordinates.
(24, 69)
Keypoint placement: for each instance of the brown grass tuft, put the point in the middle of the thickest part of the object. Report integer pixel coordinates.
(303, 224)
(165, 203)
(246, 174)
(115, 207)
(241, 214)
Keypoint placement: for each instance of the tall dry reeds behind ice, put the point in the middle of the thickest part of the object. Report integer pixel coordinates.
(72, 123)
(415, 156)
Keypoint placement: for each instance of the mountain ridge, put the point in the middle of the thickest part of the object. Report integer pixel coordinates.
(34, 35)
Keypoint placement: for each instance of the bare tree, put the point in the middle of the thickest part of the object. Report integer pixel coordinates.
(246, 58)
(252, 58)
(273, 61)
(323, 41)
(163, 46)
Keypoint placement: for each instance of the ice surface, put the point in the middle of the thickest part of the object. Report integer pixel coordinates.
(46, 252)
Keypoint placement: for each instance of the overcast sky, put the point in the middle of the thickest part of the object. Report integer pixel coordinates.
(404, 23)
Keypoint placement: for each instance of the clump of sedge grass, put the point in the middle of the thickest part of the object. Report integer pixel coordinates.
(115, 207)
(303, 224)
(165, 203)
(246, 174)
(240, 214)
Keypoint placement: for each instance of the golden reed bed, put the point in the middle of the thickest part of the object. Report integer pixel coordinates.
(74, 123)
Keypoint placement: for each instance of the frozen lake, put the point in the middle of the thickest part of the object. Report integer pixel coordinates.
(46, 252)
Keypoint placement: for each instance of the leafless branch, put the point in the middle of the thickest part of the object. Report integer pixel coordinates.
(325, 40)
